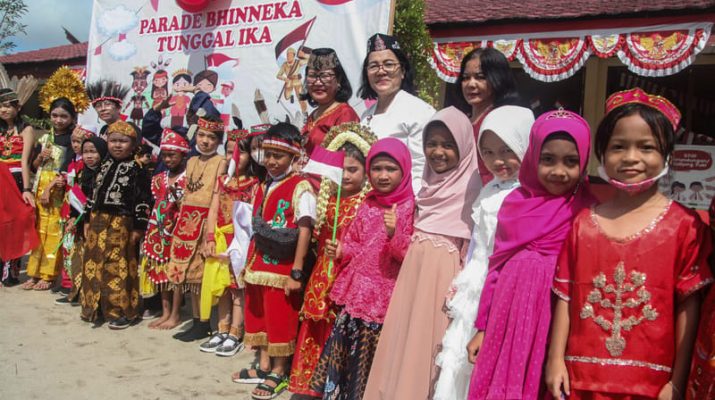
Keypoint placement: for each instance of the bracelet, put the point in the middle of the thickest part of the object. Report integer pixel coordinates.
(27, 190)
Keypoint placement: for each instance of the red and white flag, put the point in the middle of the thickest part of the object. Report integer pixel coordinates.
(296, 35)
(326, 163)
(217, 59)
(77, 199)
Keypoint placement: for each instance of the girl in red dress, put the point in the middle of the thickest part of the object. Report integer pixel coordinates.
(627, 313)
(318, 313)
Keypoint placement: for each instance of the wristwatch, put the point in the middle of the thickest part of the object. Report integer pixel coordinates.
(297, 274)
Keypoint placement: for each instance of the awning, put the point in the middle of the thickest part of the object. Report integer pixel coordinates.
(552, 56)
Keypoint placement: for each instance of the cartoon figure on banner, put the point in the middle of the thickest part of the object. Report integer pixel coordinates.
(205, 81)
(225, 103)
(677, 191)
(138, 100)
(179, 101)
(696, 192)
(290, 73)
(160, 82)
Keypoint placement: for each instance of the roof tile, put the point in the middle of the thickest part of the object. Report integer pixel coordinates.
(64, 52)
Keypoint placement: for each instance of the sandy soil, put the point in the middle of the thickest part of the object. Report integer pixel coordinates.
(48, 352)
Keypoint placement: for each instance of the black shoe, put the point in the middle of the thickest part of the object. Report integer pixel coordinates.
(65, 300)
(199, 330)
(119, 323)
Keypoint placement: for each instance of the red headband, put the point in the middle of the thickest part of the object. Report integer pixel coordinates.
(638, 96)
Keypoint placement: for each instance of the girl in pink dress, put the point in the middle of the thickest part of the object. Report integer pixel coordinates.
(369, 257)
(629, 275)
(515, 306)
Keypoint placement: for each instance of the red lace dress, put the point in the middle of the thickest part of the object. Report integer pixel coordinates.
(318, 312)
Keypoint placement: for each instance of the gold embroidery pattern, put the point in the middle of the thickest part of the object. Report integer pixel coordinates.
(615, 344)
(618, 362)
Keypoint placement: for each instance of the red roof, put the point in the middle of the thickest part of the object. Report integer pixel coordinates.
(481, 11)
(64, 52)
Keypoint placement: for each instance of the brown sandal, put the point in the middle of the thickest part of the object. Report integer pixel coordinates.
(42, 285)
(28, 284)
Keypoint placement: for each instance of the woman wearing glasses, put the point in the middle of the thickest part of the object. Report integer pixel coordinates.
(388, 77)
(328, 89)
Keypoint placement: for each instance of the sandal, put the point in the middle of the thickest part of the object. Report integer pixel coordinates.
(281, 384)
(244, 376)
(42, 285)
(28, 284)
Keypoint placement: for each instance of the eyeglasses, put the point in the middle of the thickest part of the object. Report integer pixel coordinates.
(324, 77)
(389, 67)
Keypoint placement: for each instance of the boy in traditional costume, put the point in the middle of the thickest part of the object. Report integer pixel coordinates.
(284, 213)
(167, 188)
(120, 209)
(186, 264)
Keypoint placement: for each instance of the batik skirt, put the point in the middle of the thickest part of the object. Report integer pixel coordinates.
(110, 281)
(344, 366)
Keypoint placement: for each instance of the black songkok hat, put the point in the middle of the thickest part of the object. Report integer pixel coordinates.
(379, 42)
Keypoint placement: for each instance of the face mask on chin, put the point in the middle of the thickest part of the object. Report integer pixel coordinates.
(633, 188)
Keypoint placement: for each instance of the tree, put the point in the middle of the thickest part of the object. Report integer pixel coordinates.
(11, 11)
(411, 31)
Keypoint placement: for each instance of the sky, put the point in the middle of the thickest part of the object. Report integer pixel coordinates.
(45, 19)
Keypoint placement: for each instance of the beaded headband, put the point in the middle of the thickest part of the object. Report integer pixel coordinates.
(110, 98)
(257, 130)
(281, 144)
(123, 128)
(638, 96)
(379, 42)
(236, 135)
(172, 141)
(210, 125)
(8, 95)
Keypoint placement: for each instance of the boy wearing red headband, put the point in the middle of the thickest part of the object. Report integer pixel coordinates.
(186, 263)
(167, 188)
(283, 215)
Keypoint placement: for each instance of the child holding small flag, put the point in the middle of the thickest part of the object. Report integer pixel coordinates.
(284, 212)
(93, 150)
(369, 257)
(229, 223)
(318, 312)
(167, 188)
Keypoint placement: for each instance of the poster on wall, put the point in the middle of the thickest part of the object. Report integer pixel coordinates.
(249, 56)
(691, 180)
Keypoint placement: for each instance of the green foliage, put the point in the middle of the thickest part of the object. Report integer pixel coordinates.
(412, 33)
(11, 11)
(38, 123)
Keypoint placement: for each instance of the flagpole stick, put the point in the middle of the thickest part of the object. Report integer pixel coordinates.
(335, 229)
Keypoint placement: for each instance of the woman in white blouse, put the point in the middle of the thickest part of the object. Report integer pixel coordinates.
(388, 77)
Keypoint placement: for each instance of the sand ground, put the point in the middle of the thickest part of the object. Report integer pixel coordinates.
(48, 352)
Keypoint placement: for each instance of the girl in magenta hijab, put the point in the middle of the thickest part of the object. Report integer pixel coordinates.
(367, 261)
(515, 308)
(416, 320)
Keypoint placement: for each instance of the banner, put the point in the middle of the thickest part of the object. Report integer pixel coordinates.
(249, 56)
(692, 176)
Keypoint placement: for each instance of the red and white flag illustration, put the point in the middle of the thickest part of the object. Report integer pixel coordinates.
(217, 59)
(298, 34)
(77, 199)
(326, 163)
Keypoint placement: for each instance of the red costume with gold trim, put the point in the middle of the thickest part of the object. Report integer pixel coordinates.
(318, 312)
(164, 215)
(315, 130)
(622, 296)
(271, 316)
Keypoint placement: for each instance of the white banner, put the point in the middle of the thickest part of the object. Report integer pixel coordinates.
(248, 55)
(692, 176)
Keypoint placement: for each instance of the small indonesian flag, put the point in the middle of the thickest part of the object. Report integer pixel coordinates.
(326, 163)
(77, 199)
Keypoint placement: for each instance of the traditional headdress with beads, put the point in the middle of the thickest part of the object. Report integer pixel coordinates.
(172, 141)
(379, 42)
(107, 90)
(212, 126)
(123, 128)
(639, 96)
(349, 132)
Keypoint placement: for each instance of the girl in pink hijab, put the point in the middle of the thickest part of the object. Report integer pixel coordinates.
(404, 365)
(515, 307)
(367, 260)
